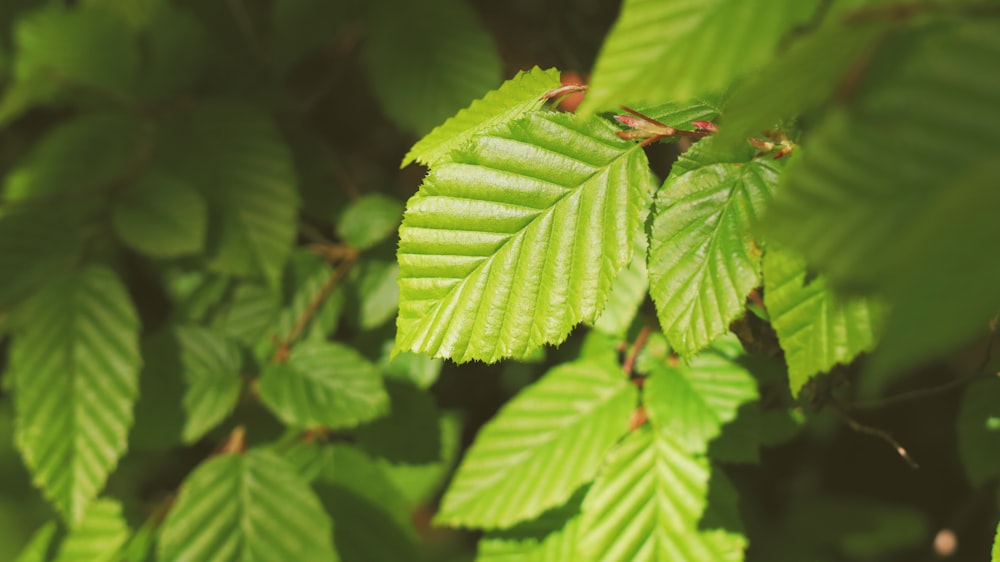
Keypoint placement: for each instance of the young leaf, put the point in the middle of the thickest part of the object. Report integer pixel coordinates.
(535, 220)
(325, 384)
(684, 48)
(211, 366)
(692, 402)
(369, 220)
(99, 536)
(652, 503)
(681, 115)
(816, 328)
(244, 508)
(979, 431)
(541, 447)
(161, 216)
(235, 155)
(703, 260)
(38, 547)
(514, 98)
(75, 361)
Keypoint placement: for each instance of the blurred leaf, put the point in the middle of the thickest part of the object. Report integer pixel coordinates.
(142, 544)
(703, 259)
(740, 439)
(410, 433)
(691, 402)
(135, 13)
(249, 313)
(536, 219)
(419, 483)
(160, 216)
(60, 51)
(99, 536)
(245, 508)
(555, 535)
(369, 220)
(376, 291)
(651, 503)
(996, 546)
(544, 444)
(301, 26)
(816, 328)
(325, 384)
(35, 245)
(514, 98)
(176, 48)
(76, 362)
(427, 59)
(415, 368)
(159, 412)
(979, 431)
(684, 48)
(211, 366)
(38, 547)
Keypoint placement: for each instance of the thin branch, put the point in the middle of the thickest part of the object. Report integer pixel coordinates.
(879, 434)
(640, 342)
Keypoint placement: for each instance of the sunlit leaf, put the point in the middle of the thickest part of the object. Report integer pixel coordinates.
(99, 535)
(211, 366)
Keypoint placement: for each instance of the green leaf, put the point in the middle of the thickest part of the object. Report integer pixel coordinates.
(246, 508)
(369, 220)
(98, 538)
(684, 48)
(325, 384)
(996, 546)
(211, 365)
(235, 155)
(176, 49)
(75, 361)
(427, 59)
(907, 219)
(535, 220)
(299, 27)
(161, 216)
(159, 412)
(38, 547)
(374, 294)
(420, 483)
(553, 536)
(417, 369)
(541, 447)
(652, 503)
(410, 433)
(816, 328)
(979, 431)
(249, 314)
(514, 98)
(691, 402)
(627, 294)
(60, 51)
(703, 260)
(35, 245)
(680, 115)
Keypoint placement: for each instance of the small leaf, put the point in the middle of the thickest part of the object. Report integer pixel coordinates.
(75, 360)
(414, 368)
(375, 288)
(816, 329)
(652, 503)
(555, 535)
(369, 220)
(211, 366)
(249, 314)
(427, 59)
(535, 220)
(541, 447)
(38, 546)
(979, 431)
(246, 508)
(692, 402)
(703, 260)
(325, 384)
(514, 98)
(161, 216)
(98, 537)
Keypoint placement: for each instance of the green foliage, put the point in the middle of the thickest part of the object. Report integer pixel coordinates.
(979, 431)
(99, 536)
(211, 366)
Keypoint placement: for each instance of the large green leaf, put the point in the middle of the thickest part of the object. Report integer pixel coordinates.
(161, 216)
(99, 536)
(75, 361)
(246, 508)
(908, 218)
(87, 50)
(541, 447)
(691, 402)
(513, 98)
(38, 546)
(211, 365)
(326, 384)
(683, 48)
(518, 238)
(651, 503)
(427, 59)
(816, 328)
(235, 155)
(979, 431)
(703, 260)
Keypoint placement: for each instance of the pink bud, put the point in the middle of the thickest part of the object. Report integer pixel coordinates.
(707, 126)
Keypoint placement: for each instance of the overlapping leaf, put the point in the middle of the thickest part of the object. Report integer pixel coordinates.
(369, 220)
(518, 238)
(816, 328)
(691, 402)
(651, 504)
(541, 447)
(703, 260)
(38, 546)
(75, 361)
(514, 98)
(98, 538)
(427, 59)
(683, 48)
(326, 384)
(35, 245)
(246, 508)
(627, 293)
(555, 535)
(161, 216)
(211, 365)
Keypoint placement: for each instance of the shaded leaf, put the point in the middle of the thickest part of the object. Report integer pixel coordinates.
(555, 535)
(38, 546)
(979, 431)
(211, 366)
(410, 433)
(535, 220)
(160, 216)
(177, 45)
(35, 245)
(369, 220)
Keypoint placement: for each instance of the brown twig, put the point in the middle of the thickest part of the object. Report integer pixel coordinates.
(877, 433)
(640, 342)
